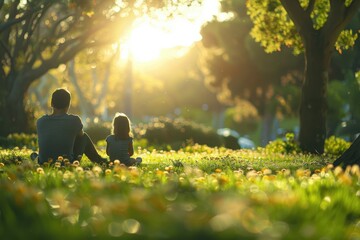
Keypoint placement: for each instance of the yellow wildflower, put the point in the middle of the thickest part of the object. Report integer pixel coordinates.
(40, 170)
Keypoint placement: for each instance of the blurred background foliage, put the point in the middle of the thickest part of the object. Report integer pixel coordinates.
(209, 84)
(179, 134)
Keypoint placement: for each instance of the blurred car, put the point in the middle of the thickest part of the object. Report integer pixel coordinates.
(246, 143)
(233, 140)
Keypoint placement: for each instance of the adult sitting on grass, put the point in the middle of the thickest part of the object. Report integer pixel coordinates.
(61, 134)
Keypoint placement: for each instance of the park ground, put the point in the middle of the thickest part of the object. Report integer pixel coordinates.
(196, 192)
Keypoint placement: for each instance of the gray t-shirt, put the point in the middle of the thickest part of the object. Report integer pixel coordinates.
(118, 149)
(56, 135)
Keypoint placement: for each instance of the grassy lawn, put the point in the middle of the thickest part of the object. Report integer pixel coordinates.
(195, 193)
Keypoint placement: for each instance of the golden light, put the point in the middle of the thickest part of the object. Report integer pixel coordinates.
(150, 38)
(145, 43)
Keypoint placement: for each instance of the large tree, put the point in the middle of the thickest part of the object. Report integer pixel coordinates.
(314, 26)
(39, 35)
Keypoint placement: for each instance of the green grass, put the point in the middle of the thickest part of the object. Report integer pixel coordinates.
(213, 194)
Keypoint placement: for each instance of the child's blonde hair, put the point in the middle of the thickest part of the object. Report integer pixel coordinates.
(121, 126)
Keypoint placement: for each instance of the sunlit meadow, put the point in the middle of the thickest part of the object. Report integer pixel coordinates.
(194, 193)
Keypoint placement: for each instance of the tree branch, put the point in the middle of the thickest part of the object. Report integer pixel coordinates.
(94, 81)
(2, 77)
(310, 7)
(336, 15)
(54, 29)
(299, 16)
(84, 102)
(351, 11)
(5, 33)
(339, 17)
(19, 39)
(9, 23)
(30, 48)
(12, 61)
(13, 20)
(39, 16)
(40, 46)
(67, 50)
(64, 52)
(105, 85)
(6, 49)
(57, 59)
(54, 61)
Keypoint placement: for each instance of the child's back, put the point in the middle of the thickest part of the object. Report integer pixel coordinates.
(118, 149)
(120, 143)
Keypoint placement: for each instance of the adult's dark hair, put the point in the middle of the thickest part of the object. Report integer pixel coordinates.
(60, 98)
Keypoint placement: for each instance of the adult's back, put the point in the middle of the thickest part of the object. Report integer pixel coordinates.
(61, 134)
(56, 135)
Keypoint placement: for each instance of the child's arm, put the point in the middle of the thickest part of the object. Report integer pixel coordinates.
(107, 149)
(131, 148)
(107, 145)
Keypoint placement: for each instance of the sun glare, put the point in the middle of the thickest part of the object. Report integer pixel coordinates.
(150, 38)
(145, 42)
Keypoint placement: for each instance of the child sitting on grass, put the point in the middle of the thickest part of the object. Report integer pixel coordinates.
(120, 142)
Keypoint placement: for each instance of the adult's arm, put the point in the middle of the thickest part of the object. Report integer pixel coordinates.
(80, 127)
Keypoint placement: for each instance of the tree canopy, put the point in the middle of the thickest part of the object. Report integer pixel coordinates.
(39, 35)
(286, 23)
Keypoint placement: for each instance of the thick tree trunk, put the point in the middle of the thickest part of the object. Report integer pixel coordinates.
(15, 119)
(313, 105)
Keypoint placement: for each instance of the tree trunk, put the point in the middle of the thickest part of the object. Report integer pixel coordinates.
(15, 118)
(37, 91)
(313, 105)
(267, 127)
(86, 108)
(128, 87)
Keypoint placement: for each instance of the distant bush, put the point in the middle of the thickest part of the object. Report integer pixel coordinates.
(197, 148)
(333, 145)
(336, 146)
(98, 131)
(286, 146)
(174, 134)
(19, 140)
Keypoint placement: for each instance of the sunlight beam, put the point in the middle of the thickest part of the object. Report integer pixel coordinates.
(149, 38)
